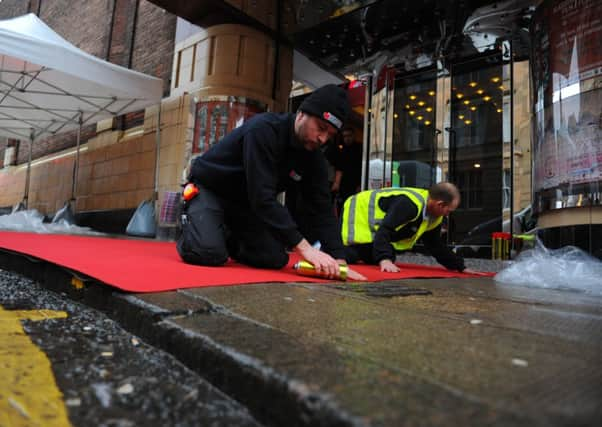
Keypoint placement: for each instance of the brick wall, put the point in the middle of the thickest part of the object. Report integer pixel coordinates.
(3, 143)
(84, 24)
(12, 8)
(12, 183)
(123, 15)
(116, 169)
(54, 144)
(116, 176)
(154, 43)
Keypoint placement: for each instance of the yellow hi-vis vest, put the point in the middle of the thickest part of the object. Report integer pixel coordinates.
(362, 216)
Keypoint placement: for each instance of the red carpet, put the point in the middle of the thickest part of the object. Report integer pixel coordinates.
(151, 266)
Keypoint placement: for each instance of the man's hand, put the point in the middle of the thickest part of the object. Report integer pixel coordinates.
(476, 273)
(352, 274)
(388, 266)
(322, 262)
(336, 184)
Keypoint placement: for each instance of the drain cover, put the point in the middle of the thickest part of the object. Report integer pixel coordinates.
(385, 290)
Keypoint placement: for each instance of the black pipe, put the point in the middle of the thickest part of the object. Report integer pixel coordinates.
(133, 39)
(452, 176)
(386, 126)
(367, 130)
(111, 24)
(277, 49)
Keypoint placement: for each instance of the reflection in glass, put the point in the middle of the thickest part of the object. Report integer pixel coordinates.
(567, 101)
(475, 147)
(414, 133)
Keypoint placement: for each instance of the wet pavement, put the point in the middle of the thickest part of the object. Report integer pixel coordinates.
(463, 352)
(107, 376)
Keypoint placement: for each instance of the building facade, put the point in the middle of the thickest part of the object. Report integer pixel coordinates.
(480, 93)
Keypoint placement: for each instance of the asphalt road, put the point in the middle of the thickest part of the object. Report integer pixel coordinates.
(104, 375)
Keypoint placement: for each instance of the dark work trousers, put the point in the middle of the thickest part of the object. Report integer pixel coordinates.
(361, 252)
(214, 229)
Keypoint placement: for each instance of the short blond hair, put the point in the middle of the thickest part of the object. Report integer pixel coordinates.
(445, 192)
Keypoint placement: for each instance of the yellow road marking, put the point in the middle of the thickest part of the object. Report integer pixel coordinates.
(29, 395)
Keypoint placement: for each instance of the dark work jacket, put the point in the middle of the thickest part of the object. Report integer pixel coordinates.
(262, 158)
(400, 209)
(348, 159)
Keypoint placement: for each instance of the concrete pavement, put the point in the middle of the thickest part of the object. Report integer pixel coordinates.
(470, 352)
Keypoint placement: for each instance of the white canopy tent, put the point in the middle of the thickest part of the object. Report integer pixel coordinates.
(49, 86)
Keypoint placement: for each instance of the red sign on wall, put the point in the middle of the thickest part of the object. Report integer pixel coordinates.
(215, 118)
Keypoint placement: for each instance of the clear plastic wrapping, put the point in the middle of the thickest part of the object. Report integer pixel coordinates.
(567, 268)
(33, 221)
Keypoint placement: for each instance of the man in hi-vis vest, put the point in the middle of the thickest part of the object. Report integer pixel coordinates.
(378, 223)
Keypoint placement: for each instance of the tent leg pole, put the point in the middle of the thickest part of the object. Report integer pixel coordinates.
(157, 150)
(156, 184)
(27, 176)
(76, 163)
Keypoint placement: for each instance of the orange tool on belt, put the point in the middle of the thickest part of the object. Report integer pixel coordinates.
(190, 192)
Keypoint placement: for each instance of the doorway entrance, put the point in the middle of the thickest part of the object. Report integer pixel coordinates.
(451, 126)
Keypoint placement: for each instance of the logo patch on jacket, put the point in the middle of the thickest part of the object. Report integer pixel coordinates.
(295, 176)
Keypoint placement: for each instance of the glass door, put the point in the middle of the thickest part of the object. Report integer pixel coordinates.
(476, 142)
(414, 131)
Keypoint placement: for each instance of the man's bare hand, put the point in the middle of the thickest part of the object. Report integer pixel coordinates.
(388, 266)
(322, 262)
(354, 275)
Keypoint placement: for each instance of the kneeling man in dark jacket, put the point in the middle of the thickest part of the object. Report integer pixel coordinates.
(236, 212)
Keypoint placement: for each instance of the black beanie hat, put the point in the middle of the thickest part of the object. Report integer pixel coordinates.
(330, 103)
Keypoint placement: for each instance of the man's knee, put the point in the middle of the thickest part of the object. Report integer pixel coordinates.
(195, 250)
(202, 240)
(202, 256)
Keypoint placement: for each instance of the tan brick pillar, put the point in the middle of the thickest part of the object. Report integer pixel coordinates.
(234, 60)
(231, 72)
(222, 75)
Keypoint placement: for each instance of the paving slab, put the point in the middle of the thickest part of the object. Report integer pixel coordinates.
(473, 352)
